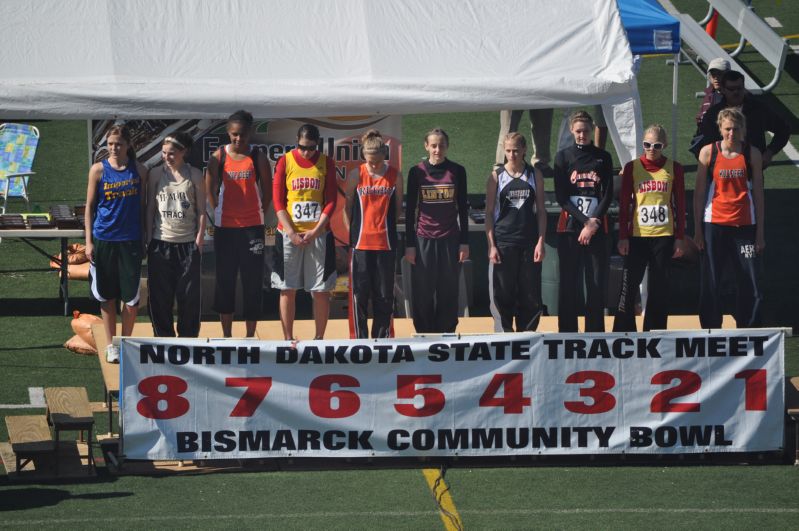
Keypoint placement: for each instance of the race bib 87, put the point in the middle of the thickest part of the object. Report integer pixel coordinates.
(586, 205)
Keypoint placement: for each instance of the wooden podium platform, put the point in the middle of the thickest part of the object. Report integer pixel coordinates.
(339, 328)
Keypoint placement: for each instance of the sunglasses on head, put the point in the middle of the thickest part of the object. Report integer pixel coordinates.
(655, 145)
(310, 147)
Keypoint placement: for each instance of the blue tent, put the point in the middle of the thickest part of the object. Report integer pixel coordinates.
(650, 29)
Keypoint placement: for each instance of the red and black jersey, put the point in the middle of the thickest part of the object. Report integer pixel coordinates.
(583, 185)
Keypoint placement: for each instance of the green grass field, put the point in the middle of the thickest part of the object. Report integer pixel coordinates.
(698, 494)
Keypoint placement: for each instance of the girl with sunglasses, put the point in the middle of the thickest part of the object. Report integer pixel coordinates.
(651, 230)
(305, 193)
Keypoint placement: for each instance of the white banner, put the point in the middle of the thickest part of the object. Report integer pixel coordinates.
(504, 394)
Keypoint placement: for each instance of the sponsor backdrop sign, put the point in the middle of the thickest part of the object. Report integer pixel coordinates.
(340, 139)
(504, 394)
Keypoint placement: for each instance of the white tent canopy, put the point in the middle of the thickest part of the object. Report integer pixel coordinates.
(205, 58)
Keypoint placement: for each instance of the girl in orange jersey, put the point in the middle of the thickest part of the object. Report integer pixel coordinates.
(238, 184)
(374, 196)
(651, 230)
(728, 208)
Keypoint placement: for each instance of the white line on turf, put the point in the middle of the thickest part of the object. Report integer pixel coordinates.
(402, 514)
(792, 153)
(773, 22)
(36, 397)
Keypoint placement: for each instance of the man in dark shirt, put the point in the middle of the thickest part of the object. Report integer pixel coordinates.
(759, 118)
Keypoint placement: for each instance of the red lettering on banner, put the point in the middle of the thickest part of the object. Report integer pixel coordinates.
(151, 389)
(755, 389)
(690, 382)
(512, 400)
(602, 401)
(255, 392)
(434, 399)
(321, 396)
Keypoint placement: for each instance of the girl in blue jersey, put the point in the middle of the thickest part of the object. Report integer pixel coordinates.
(113, 219)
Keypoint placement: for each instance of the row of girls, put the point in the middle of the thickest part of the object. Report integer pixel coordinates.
(728, 212)
(728, 206)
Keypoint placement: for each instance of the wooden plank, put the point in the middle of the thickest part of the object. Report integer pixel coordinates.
(339, 328)
(792, 399)
(72, 457)
(29, 434)
(68, 407)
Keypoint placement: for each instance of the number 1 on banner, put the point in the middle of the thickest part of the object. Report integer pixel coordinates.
(754, 388)
(256, 390)
(513, 399)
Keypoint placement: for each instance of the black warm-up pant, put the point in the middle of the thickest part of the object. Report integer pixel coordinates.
(656, 253)
(239, 250)
(594, 258)
(736, 246)
(434, 280)
(173, 273)
(372, 278)
(515, 289)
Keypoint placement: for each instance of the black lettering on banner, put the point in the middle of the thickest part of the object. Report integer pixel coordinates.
(423, 439)
(640, 436)
(519, 350)
(308, 440)
(517, 438)
(453, 439)
(618, 348)
(204, 356)
(480, 352)
(403, 353)
(621, 347)
(670, 436)
(715, 347)
(393, 440)
(286, 355)
(284, 440)
(487, 438)
(335, 354)
(359, 440)
(499, 349)
(253, 441)
(197, 354)
(330, 442)
(186, 441)
(438, 352)
(225, 441)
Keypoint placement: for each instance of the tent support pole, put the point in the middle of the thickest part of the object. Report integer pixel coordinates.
(674, 116)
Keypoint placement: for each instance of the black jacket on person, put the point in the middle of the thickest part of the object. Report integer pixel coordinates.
(759, 119)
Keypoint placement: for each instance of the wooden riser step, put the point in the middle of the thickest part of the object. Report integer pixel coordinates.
(72, 463)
